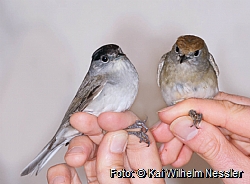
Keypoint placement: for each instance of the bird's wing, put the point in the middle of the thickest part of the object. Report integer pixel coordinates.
(214, 65)
(90, 88)
(160, 68)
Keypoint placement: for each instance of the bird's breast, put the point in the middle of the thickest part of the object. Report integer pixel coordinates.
(179, 82)
(117, 95)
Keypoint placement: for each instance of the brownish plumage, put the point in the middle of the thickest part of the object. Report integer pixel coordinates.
(189, 43)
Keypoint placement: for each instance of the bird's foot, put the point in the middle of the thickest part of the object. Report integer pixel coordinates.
(197, 117)
(141, 134)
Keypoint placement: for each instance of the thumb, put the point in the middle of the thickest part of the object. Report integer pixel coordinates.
(206, 141)
(210, 144)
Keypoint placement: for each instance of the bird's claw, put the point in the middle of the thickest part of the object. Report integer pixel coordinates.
(139, 124)
(141, 134)
(197, 117)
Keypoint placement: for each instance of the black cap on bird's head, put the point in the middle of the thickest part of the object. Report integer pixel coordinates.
(109, 49)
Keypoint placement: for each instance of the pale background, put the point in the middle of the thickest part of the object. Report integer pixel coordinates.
(45, 51)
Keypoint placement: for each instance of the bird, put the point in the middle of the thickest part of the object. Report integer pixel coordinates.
(188, 71)
(111, 84)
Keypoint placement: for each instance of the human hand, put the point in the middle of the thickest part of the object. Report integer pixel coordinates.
(223, 139)
(100, 153)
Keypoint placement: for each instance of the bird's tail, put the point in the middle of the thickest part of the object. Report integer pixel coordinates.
(62, 137)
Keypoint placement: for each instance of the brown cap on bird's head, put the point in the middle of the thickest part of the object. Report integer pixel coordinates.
(189, 43)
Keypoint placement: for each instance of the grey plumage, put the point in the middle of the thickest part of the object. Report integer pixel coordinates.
(111, 84)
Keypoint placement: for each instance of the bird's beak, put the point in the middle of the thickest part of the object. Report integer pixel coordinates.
(184, 58)
(121, 54)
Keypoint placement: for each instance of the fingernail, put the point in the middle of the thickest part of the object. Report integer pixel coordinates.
(58, 180)
(75, 150)
(155, 125)
(166, 109)
(118, 142)
(181, 127)
(161, 148)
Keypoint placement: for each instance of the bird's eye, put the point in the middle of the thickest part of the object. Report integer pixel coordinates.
(105, 59)
(177, 49)
(196, 53)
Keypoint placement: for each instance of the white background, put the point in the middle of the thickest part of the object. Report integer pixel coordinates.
(46, 47)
